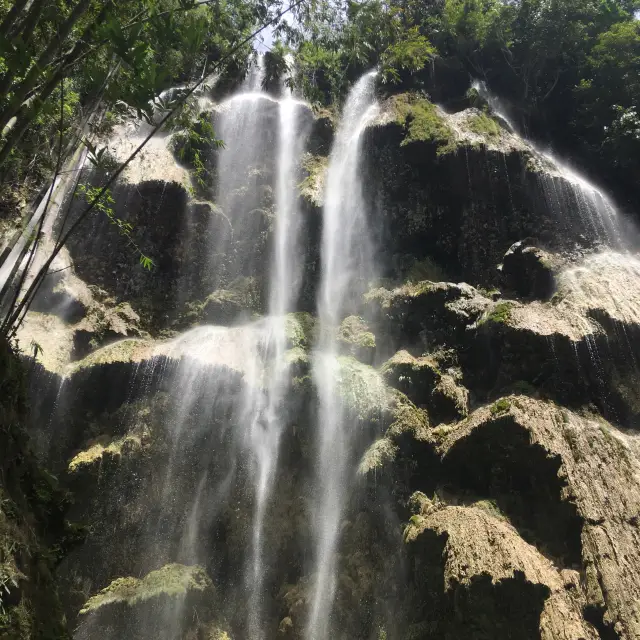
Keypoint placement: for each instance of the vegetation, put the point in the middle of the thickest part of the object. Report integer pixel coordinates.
(569, 69)
(92, 54)
(421, 122)
(501, 406)
(34, 534)
(192, 145)
(485, 126)
(500, 314)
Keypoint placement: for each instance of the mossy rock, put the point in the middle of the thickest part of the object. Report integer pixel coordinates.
(361, 388)
(499, 313)
(355, 338)
(422, 122)
(105, 450)
(449, 401)
(483, 125)
(300, 327)
(376, 458)
(312, 186)
(225, 306)
(147, 608)
(415, 377)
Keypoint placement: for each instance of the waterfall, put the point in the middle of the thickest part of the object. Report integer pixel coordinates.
(346, 266)
(566, 191)
(267, 422)
(256, 188)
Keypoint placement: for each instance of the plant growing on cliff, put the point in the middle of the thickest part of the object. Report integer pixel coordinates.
(422, 122)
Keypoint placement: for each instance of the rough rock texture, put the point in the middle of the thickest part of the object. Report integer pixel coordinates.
(528, 271)
(496, 585)
(581, 500)
(485, 395)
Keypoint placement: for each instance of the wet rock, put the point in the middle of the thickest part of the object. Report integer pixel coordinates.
(422, 380)
(486, 189)
(225, 306)
(449, 401)
(528, 271)
(355, 338)
(435, 312)
(579, 347)
(491, 582)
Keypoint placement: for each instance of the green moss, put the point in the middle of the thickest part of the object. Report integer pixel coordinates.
(312, 187)
(129, 350)
(98, 451)
(491, 507)
(361, 388)
(425, 269)
(422, 122)
(500, 314)
(173, 580)
(406, 418)
(382, 452)
(356, 339)
(483, 125)
(299, 328)
(501, 406)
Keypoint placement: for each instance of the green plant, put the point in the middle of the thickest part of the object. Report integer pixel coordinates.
(500, 406)
(194, 146)
(500, 314)
(422, 122)
(485, 126)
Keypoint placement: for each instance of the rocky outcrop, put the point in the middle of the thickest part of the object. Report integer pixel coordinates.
(570, 485)
(488, 582)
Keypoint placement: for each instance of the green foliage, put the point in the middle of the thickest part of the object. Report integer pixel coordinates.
(485, 126)
(421, 122)
(411, 54)
(194, 147)
(276, 65)
(501, 406)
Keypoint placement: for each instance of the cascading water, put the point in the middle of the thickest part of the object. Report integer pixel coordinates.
(347, 266)
(267, 421)
(565, 190)
(257, 349)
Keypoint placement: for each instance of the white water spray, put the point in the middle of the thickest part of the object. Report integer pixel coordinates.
(346, 266)
(567, 192)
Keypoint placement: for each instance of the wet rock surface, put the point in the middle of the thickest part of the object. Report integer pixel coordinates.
(492, 442)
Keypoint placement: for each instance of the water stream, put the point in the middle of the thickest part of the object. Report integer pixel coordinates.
(347, 267)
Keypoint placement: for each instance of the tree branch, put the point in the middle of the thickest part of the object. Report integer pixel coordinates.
(14, 314)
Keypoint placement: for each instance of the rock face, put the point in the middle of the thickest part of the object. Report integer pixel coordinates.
(488, 382)
(492, 583)
(582, 513)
